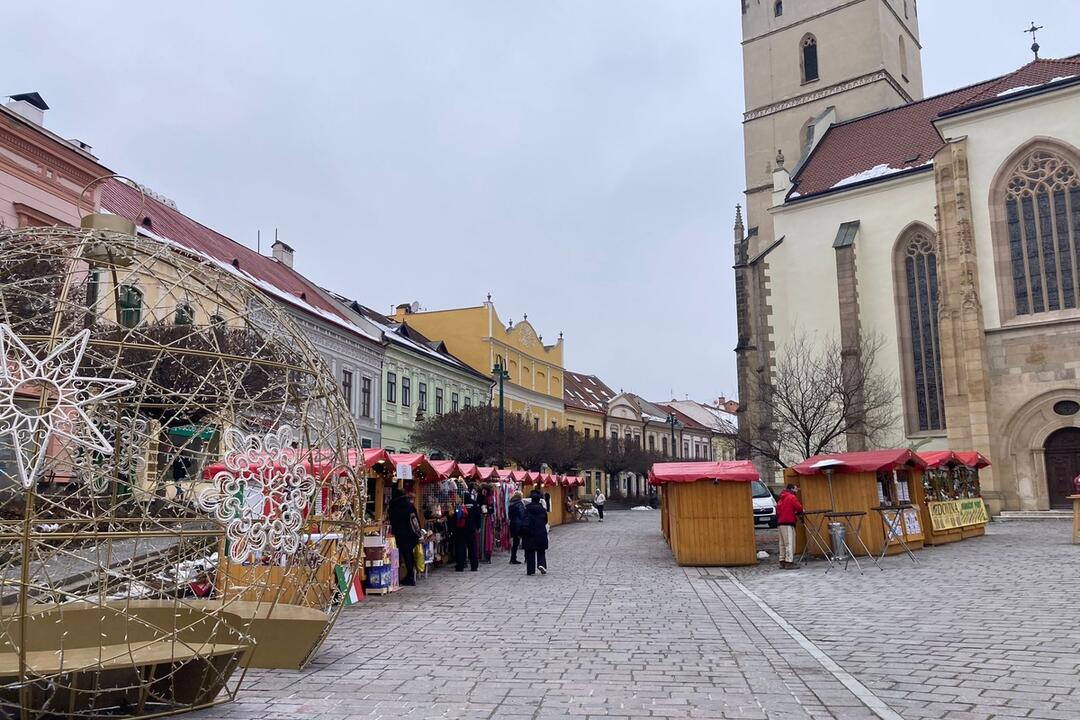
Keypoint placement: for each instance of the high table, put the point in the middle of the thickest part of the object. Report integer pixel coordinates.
(853, 522)
(892, 517)
(813, 521)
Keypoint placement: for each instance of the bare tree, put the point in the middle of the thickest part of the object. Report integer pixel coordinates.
(827, 398)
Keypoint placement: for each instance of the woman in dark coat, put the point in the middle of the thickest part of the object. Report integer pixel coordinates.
(516, 511)
(405, 525)
(534, 535)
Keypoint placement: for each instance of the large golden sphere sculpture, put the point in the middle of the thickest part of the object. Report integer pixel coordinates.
(177, 500)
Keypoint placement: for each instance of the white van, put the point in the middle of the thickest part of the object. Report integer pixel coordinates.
(764, 504)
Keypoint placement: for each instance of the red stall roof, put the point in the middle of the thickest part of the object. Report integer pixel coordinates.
(854, 462)
(468, 471)
(968, 458)
(446, 468)
(549, 480)
(519, 476)
(572, 480)
(372, 457)
(687, 472)
(487, 473)
(419, 464)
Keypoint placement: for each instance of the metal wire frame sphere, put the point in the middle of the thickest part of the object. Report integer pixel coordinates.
(174, 479)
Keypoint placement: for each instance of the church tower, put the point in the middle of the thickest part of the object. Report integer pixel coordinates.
(806, 64)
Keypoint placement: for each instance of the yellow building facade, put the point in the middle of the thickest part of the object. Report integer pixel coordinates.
(476, 335)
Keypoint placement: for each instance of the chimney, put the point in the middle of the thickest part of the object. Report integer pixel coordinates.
(30, 106)
(404, 309)
(282, 252)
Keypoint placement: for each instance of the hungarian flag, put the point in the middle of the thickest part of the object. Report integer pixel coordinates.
(351, 587)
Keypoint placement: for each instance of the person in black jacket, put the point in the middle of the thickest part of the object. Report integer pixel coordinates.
(465, 533)
(516, 511)
(406, 528)
(534, 535)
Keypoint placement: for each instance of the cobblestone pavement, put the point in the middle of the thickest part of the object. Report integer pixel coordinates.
(985, 629)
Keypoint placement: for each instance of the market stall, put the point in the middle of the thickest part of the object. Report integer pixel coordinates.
(874, 495)
(951, 499)
(707, 511)
(554, 496)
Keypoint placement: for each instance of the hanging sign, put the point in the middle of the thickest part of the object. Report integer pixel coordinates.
(404, 471)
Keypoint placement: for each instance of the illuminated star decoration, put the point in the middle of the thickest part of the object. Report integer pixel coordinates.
(43, 398)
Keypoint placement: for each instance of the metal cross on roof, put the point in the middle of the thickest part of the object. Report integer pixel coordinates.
(1034, 45)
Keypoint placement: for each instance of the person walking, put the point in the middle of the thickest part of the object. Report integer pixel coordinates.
(466, 520)
(516, 511)
(406, 528)
(598, 503)
(534, 535)
(788, 509)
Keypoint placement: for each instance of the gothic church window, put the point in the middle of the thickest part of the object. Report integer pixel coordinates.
(778, 9)
(809, 58)
(1041, 238)
(915, 265)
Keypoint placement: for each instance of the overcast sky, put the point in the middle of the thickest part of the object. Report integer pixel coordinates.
(579, 159)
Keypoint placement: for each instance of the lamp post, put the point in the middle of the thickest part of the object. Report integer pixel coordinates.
(673, 422)
(499, 372)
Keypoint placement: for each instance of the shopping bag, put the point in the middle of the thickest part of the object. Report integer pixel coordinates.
(418, 556)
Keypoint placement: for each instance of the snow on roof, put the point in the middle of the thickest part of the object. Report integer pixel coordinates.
(586, 392)
(878, 171)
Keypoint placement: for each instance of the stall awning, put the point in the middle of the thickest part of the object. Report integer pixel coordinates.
(572, 480)
(520, 476)
(549, 480)
(446, 469)
(855, 462)
(421, 467)
(688, 472)
(487, 473)
(941, 458)
(372, 457)
(469, 471)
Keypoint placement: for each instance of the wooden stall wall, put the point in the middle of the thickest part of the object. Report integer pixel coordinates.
(854, 492)
(711, 523)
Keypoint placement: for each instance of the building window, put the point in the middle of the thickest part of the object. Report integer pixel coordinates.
(365, 397)
(652, 443)
(93, 286)
(809, 58)
(468, 401)
(454, 402)
(365, 443)
(778, 8)
(183, 315)
(536, 423)
(391, 387)
(406, 391)
(423, 397)
(216, 321)
(686, 449)
(1041, 199)
(346, 387)
(663, 444)
(438, 401)
(130, 306)
(905, 9)
(917, 305)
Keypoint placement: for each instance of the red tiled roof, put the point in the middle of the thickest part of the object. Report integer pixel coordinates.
(904, 139)
(121, 199)
(586, 392)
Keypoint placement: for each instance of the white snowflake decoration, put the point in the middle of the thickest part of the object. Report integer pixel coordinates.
(43, 398)
(261, 495)
(133, 434)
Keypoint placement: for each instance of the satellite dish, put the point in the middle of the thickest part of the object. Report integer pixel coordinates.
(415, 307)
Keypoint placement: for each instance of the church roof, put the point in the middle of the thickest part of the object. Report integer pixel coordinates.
(903, 140)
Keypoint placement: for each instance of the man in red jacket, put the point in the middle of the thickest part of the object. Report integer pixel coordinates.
(788, 509)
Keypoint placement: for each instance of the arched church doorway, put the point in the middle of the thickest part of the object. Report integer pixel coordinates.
(1062, 465)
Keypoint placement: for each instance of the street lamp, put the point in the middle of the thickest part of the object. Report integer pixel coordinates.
(499, 372)
(674, 423)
